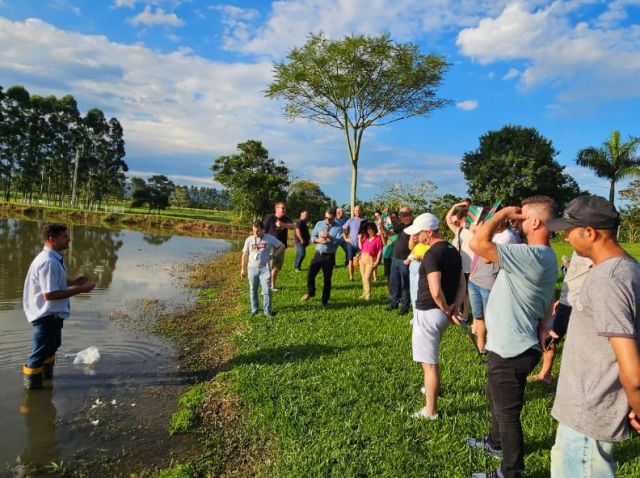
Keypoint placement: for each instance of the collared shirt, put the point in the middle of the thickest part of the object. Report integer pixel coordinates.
(46, 274)
(334, 231)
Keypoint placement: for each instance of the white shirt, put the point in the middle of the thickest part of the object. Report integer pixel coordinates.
(46, 274)
(259, 249)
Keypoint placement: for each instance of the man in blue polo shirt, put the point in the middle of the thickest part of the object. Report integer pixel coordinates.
(46, 303)
(327, 236)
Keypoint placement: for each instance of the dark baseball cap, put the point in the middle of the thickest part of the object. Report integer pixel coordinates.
(586, 211)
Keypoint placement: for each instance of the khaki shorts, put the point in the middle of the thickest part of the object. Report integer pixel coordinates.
(277, 261)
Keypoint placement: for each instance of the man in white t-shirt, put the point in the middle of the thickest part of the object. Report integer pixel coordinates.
(45, 301)
(256, 252)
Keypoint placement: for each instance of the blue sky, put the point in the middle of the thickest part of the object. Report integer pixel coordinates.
(185, 78)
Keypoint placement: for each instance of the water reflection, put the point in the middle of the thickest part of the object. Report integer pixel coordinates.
(93, 251)
(129, 268)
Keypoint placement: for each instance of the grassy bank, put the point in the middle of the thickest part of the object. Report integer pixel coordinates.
(188, 222)
(315, 392)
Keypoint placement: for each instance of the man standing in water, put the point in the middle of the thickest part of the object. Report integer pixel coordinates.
(46, 303)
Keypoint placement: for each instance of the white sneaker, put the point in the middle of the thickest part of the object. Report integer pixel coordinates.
(422, 391)
(422, 413)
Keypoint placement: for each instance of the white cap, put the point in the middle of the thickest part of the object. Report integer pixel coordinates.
(424, 222)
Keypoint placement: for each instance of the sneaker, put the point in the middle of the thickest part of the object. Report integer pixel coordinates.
(305, 297)
(274, 289)
(270, 314)
(483, 444)
(253, 314)
(422, 391)
(403, 311)
(492, 474)
(390, 307)
(422, 413)
(297, 270)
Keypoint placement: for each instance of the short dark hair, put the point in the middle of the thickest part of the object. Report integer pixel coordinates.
(371, 225)
(52, 230)
(258, 224)
(378, 211)
(545, 202)
(461, 212)
(331, 211)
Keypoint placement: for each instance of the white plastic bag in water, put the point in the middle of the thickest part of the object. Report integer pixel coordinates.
(87, 356)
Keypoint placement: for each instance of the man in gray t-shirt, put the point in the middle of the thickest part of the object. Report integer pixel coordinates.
(599, 385)
(519, 299)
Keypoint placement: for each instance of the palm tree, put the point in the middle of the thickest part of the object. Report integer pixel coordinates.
(613, 160)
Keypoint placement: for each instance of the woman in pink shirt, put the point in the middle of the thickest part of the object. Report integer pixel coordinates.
(370, 253)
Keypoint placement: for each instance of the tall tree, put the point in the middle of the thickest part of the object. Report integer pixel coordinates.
(355, 83)
(614, 160)
(419, 196)
(255, 180)
(155, 193)
(514, 163)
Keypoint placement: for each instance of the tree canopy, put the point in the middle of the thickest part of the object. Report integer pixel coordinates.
(513, 163)
(155, 193)
(307, 195)
(255, 181)
(614, 160)
(355, 83)
(48, 148)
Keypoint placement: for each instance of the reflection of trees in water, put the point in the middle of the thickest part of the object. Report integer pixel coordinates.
(92, 252)
(154, 239)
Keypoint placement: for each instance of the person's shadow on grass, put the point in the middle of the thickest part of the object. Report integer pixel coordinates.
(287, 353)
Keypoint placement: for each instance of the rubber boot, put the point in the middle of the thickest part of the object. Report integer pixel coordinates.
(47, 367)
(32, 377)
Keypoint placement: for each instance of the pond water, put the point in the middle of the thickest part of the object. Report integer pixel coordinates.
(73, 419)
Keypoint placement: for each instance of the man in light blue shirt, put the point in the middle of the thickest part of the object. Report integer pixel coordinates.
(45, 301)
(519, 302)
(327, 236)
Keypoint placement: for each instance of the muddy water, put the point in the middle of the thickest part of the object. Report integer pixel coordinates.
(100, 413)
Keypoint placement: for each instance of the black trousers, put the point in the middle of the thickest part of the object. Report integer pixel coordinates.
(326, 262)
(505, 391)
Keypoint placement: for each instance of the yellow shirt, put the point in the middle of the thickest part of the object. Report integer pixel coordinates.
(419, 250)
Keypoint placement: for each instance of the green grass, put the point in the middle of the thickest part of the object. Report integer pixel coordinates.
(336, 389)
(183, 419)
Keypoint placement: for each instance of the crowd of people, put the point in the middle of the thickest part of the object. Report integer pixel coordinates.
(499, 270)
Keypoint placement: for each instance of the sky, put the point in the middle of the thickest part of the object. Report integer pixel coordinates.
(186, 79)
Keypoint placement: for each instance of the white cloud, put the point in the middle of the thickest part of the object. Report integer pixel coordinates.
(124, 3)
(467, 105)
(290, 22)
(180, 179)
(157, 17)
(512, 73)
(584, 60)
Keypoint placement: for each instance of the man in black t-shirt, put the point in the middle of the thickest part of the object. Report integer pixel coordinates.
(277, 225)
(441, 292)
(399, 274)
(301, 239)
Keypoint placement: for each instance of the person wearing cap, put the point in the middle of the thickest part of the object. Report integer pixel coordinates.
(441, 292)
(519, 302)
(598, 394)
(399, 275)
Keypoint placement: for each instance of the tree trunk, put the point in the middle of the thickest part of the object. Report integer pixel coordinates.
(354, 184)
(612, 192)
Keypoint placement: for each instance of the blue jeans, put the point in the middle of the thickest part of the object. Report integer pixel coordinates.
(478, 298)
(262, 275)
(580, 456)
(400, 284)
(414, 268)
(47, 337)
(301, 252)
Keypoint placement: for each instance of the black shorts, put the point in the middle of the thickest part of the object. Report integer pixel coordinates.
(561, 320)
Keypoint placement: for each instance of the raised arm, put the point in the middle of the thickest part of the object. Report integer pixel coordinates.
(481, 243)
(449, 216)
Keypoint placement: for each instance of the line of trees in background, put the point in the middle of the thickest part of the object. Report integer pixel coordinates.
(48, 149)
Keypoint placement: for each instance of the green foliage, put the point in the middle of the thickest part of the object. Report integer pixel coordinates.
(419, 196)
(155, 193)
(42, 138)
(180, 197)
(614, 160)
(308, 195)
(514, 163)
(183, 419)
(355, 83)
(255, 181)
